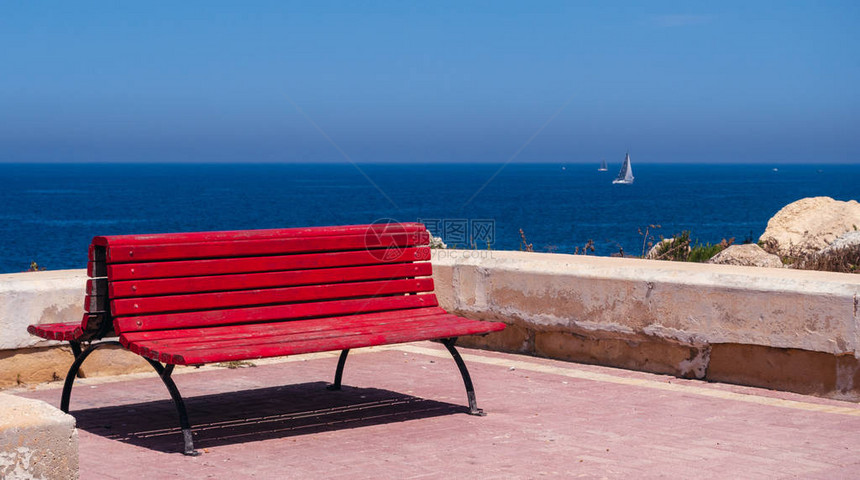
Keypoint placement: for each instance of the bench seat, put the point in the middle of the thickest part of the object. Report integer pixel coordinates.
(246, 342)
(208, 297)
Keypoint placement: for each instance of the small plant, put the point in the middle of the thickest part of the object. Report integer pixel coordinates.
(588, 247)
(647, 238)
(702, 253)
(525, 246)
(681, 249)
(843, 260)
(34, 267)
(795, 254)
(676, 248)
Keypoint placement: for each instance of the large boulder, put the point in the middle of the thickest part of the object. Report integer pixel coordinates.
(750, 255)
(850, 239)
(809, 225)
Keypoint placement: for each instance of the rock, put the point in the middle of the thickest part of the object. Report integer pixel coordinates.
(849, 239)
(750, 255)
(810, 224)
(665, 243)
(652, 252)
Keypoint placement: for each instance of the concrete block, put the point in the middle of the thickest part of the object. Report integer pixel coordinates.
(37, 441)
(38, 297)
(777, 328)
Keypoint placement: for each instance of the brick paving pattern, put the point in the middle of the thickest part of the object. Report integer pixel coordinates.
(401, 415)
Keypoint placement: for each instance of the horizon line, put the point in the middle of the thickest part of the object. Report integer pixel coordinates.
(423, 163)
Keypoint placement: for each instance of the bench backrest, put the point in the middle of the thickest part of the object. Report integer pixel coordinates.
(187, 280)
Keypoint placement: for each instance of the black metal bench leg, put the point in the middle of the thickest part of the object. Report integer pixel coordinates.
(338, 374)
(76, 351)
(76, 348)
(470, 389)
(80, 356)
(164, 373)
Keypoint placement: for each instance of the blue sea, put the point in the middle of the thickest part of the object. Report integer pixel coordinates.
(50, 212)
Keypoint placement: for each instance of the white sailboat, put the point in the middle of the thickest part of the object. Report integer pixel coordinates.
(602, 166)
(625, 176)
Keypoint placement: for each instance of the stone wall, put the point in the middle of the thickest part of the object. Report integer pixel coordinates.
(48, 297)
(777, 328)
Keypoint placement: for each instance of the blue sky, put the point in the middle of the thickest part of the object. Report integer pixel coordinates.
(773, 82)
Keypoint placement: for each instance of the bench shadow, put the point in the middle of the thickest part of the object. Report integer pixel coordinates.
(253, 415)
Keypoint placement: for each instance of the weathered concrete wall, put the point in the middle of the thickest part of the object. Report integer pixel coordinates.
(37, 441)
(779, 328)
(38, 297)
(48, 297)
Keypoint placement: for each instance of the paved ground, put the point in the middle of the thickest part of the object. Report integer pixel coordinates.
(402, 416)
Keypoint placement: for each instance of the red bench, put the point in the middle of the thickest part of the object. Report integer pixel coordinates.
(197, 298)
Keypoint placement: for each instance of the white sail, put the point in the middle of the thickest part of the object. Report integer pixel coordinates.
(625, 175)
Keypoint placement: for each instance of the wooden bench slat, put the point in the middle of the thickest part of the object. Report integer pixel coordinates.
(327, 328)
(268, 296)
(166, 351)
(195, 237)
(383, 336)
(97, 286)
(223, 266)
(95, 303)
(57, 331)
(215, 283)
(324, 328)
(270, 313)
(257, 330)
(91, 326)
(273, 246)
(97, 269)
(196, 332)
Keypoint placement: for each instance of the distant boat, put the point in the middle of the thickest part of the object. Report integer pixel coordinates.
(625, 176)
(602, 166)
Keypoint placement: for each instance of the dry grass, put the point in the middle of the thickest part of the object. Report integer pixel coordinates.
(844, 260)
(525, 246)
(588, 247)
